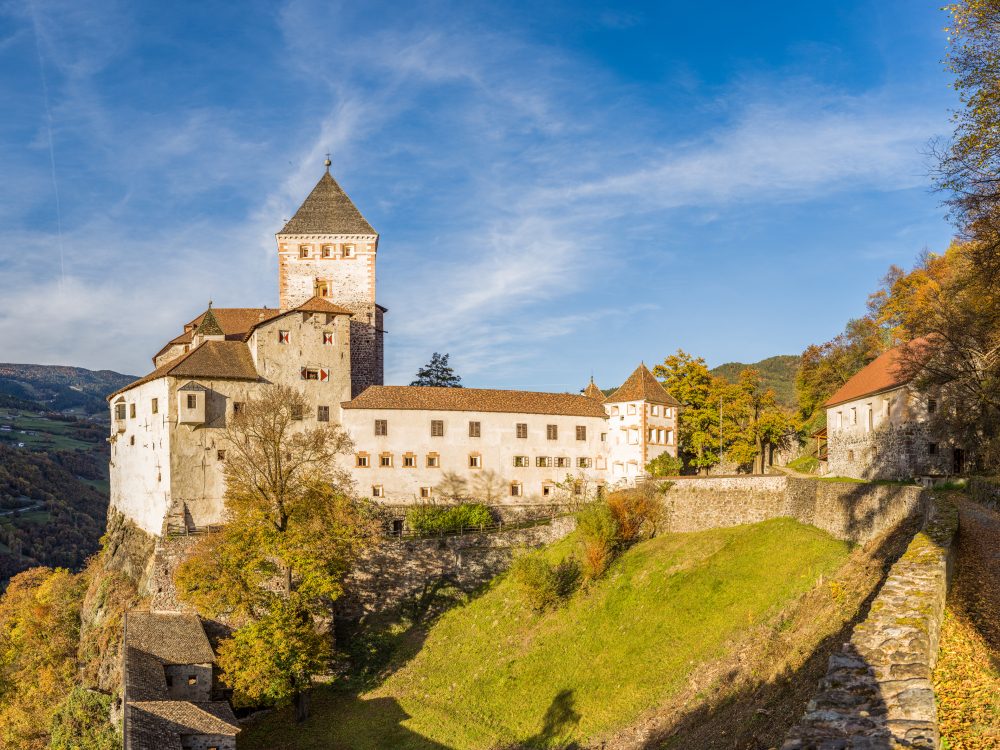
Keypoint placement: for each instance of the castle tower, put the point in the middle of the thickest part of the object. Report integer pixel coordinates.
(327, 249)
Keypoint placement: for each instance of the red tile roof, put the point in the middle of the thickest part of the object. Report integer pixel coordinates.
(475, 399)
(320, 305)
(592, 391)
(642, 385)
(885, 372)
(222, 360)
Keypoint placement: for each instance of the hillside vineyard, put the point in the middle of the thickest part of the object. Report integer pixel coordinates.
(325, 339)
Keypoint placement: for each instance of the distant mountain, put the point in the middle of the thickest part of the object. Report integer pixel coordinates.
(69, 390)
(778, 373)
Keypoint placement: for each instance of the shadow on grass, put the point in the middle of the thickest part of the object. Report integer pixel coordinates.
(755, 714)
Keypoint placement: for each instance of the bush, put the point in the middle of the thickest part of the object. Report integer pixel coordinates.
(440, 519)
(83, 722)
(637, 512)
(599, 532)
(542, 583)
(664, 465)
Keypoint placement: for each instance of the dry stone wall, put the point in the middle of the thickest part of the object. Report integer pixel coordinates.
(877, 692)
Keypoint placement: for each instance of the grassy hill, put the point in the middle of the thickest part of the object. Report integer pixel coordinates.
(778, 373)
(68, 390)
(493, 673)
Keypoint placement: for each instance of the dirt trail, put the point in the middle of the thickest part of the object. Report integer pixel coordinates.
(967, 677)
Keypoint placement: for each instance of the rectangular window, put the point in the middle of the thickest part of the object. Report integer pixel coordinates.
(552, 431)
(192, 680)
(220, 455)
(192, 401)
(237, 407)
(474, 429)
(119, 411)
(283, 337)
(381, 427)
(327, 338)
(584, 463)
(433, 461)
(131, 411)
(155, 403)
(303, 251)
(437, 428)
(548, 490)
(854, 415)
(296, 411)
(631, 408)
(670, 437)
(385, 460)
(581, 432)
(562, 462)
(932, 449)
(614, 410)
(348, 251)
(377, 490)
(604, 437)
(654, 410)
(543, 461)
(322, 413)
(425, 492)
(310, 374)
(840, 420)
(931, 405)
(520, 461)
(475, 461)
(871, 418)
(409, 461)
(522, 430)
(362, 461)
(327, 251)
(515, 489)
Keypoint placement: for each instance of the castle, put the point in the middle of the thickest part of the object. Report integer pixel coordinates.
(326, 339)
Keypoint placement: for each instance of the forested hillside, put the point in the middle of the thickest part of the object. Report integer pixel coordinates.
(777, 372)
(69, 390)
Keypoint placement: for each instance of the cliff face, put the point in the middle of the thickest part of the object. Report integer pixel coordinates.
(117, 580)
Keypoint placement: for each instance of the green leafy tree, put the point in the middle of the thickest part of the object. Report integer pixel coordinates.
(292, 534)
(755, 422)
(687, 378)
(664, 465)
(83, 722)
(438, 373)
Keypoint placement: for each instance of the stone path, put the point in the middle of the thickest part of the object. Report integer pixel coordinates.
(967, 677)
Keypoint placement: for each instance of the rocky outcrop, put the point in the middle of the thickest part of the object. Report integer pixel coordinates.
(877, 692)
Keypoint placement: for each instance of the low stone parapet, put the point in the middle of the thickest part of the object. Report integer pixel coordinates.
(877, 692)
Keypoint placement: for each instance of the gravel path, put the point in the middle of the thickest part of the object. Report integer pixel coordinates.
(967, 677)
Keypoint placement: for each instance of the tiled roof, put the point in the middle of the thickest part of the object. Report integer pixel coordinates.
(172, 637)
(159, 725)
(235, 322)
(327, 210)
(320, 305)
(642, 385)
(885, 372)
(223, 360)
(209, 326)
(592, 391)
(474, 399)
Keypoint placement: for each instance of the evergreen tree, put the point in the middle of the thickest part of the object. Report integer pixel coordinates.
(438, 373)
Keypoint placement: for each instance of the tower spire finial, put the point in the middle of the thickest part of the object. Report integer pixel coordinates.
(327, 163)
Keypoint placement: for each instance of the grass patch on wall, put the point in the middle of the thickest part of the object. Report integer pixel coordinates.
(495, 672)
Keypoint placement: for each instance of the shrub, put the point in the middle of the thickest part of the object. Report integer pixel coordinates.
(637, 512)
(664, 465)
(82, 722)
(601, 537)
(543, 584)
(439, 519)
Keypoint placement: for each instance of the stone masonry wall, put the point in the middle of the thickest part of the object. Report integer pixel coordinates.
(985, 490)
(847, 510)
(877, 692)
(399, 569)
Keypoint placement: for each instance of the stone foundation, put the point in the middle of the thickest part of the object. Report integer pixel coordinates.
(877, 692)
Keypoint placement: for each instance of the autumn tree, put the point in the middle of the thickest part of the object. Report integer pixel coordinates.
(754, 423)
(688, 380)
(438, 373)
(293, 530)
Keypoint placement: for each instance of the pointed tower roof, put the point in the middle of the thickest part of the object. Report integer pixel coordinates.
(642, 385)
(327, 210)
(209, 326)
(592, 391)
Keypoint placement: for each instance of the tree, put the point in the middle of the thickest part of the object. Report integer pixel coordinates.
(755, 422)
(82, 723)
(292, 533)
(438, 373)
(687, 378)
(664, 465)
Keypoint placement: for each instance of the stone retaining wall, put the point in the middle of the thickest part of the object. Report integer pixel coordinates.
(877, 692)
(399, 569)
(852, 511)
(985, 490)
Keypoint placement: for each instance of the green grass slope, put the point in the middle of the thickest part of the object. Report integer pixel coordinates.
(778, 373)
(492, 672)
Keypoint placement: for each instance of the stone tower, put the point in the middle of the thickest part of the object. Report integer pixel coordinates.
(327, 249)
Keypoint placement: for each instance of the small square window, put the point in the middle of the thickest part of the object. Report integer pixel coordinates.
(192, 401)
(192, 679)
(475, 461)
(631, 408)
(437, 428)
(381, 427)
(322, 413)
(309, 373)
(155, 403)
(932, 449)
(552, 431)
(515, 489)
(409, 461)
(348, 251)
(474, 429)
(584, 463)
(425, 492)
(119, 411)
(548, 490)
(385, 460)
(562, 462)
(522, 430)
(377, 490)
(604, 437)
(433, 461)
(543, 461)
(220, 455)
(520, 461)
(931, 405)
(303, 251)
(327, 338)
(327, 251)
(581, 432)
(283, 337)
(362, 461)
(237, 407)
(296, 411)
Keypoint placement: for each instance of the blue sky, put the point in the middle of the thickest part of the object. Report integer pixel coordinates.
(560, 188)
